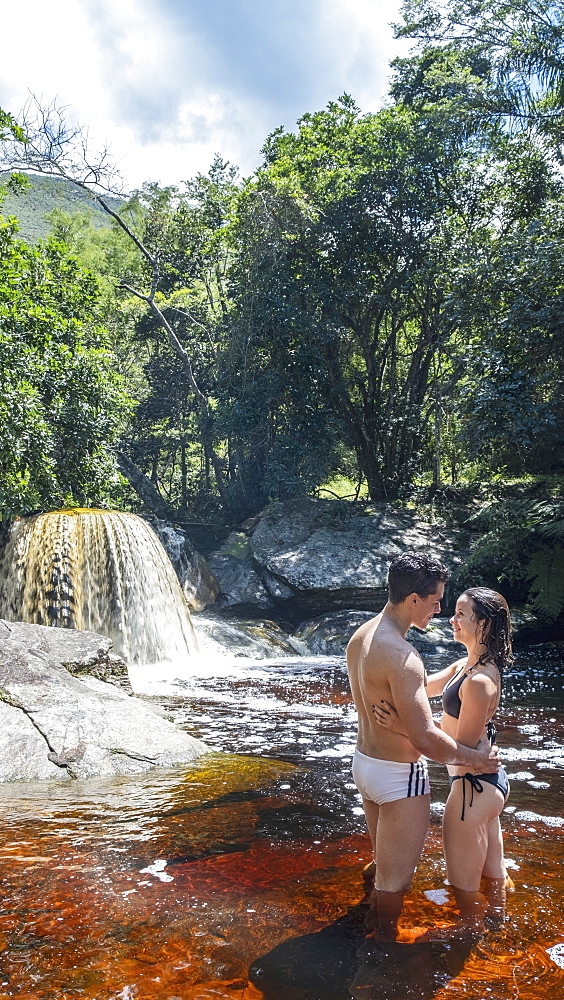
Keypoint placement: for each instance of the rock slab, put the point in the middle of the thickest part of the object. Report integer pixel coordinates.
(306, 557)
(59, 720)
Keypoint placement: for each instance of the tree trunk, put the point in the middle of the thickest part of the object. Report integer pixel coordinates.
(145, 489)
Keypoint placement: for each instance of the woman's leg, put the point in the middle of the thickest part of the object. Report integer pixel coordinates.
(465, 841)
(494, 865)
(495, 879)
(467, 848)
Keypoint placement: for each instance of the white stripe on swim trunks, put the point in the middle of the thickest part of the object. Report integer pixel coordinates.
(419, 770)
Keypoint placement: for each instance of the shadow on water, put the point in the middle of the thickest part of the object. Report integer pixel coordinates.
(241, 877)
(339, 962)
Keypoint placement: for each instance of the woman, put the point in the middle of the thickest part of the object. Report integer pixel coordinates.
(471, 689)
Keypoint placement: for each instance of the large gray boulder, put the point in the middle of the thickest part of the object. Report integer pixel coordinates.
(239, 575)
(59, 720)
(306, 556)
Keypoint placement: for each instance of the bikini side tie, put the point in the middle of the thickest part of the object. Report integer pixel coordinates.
(476, 784)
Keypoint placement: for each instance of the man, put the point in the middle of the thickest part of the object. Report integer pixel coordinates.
(388, 768)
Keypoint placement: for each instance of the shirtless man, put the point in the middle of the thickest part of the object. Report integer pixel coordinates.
(389, 769)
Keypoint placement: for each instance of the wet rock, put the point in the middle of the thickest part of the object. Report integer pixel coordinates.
(56, 724)
(259, 640)
(239, 576)
(307, 556)
(199, 584)
(82, 653)
(436, 640)
(328, 635)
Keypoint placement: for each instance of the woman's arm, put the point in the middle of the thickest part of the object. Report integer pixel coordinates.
(476, 696)
(437, 681)
(387, 716)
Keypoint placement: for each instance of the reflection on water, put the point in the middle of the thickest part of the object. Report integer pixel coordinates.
(242, 876)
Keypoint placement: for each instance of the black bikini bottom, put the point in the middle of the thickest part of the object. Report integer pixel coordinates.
(498, 779)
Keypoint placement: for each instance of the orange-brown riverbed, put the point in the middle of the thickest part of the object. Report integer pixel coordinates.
(241, 877)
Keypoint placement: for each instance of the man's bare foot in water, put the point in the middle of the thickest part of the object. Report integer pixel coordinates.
(448, 932)
(409, 935)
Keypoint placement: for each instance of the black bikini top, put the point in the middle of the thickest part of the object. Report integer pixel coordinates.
(451, 696)
(452, 703)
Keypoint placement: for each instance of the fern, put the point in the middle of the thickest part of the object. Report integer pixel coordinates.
(548, 519)
(546, 571)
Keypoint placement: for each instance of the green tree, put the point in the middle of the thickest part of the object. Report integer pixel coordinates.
(51, 147)
(355, 244)
(498, 69)
(505, 56)
(512, 410)
(181, 445)
(61, 404)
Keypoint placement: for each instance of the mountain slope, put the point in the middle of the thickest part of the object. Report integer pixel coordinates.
(42, 196)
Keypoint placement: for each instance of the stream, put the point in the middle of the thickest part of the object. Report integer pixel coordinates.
(241, 876)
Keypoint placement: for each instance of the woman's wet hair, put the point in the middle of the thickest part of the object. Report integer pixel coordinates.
(491, 611)
(414, 573)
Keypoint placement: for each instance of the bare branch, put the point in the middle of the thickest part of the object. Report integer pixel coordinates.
(52, 147)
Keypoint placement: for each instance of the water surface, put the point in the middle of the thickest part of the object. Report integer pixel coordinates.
(242, 875)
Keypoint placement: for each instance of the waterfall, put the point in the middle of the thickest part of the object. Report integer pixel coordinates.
(99, 570)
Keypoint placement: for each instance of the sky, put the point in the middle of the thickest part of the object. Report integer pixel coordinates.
(167, 84)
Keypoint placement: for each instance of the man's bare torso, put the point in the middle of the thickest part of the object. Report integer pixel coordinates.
(376, 657)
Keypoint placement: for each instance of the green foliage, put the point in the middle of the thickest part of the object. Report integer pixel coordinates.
(546, 572)
(520, 548)
(171, 439)
(364, 291)
(504, 60)
(9, 128)
(34, 204)
(510, 304)
(382, 301)
(61, 403)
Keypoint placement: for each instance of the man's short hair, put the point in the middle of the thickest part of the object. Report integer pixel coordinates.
(414, 573)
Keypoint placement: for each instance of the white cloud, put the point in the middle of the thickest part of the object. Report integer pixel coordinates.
(168, 83)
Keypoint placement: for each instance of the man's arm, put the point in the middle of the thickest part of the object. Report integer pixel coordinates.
(410, 700)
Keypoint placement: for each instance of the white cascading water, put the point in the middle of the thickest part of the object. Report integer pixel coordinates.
(103, 571)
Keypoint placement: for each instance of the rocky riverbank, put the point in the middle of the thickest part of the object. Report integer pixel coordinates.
(62, 718)
(306, 557)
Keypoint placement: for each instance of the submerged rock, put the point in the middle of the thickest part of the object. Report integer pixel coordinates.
(58, 720)
(328, 635)
(259, 640)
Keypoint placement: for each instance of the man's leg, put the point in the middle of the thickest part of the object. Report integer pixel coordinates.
(400, 836)
(371, 810)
